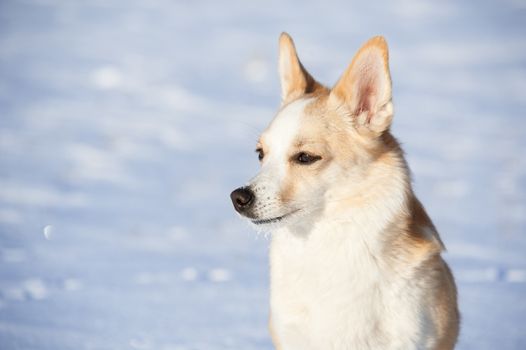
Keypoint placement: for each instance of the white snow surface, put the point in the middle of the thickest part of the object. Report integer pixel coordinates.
(124, 125)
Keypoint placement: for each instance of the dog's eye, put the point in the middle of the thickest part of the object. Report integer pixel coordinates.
(305, 158)
(260, 153)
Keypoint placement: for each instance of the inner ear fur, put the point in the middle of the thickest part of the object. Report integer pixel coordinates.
(294, 78)
(364, 89)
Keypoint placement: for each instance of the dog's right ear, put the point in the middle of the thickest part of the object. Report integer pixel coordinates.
(294, 78)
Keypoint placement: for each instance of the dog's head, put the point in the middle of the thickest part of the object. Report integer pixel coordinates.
(326, 147)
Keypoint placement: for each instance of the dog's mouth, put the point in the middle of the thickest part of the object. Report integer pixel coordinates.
(272, 220)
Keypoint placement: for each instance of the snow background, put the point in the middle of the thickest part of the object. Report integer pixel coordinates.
(124, 125)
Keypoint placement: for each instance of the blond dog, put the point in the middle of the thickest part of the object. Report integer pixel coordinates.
(355, 260)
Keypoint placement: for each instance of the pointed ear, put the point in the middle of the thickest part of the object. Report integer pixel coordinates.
(365, 88)
(294, 78)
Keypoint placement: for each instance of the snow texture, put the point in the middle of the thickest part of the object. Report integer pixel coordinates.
(124, 125)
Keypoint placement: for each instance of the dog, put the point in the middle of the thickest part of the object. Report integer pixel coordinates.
(354, 259)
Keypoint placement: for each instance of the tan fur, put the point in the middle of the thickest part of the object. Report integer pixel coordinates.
(410, 245)
(297, 81)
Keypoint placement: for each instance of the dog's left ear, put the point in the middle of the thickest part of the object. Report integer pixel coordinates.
(364, 90)
(294, 78)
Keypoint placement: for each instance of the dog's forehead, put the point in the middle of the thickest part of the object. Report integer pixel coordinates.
(286, 126)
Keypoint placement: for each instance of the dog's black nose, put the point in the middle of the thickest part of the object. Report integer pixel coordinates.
(242, 198)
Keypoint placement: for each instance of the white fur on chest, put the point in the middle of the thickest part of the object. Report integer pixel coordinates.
(330, 290)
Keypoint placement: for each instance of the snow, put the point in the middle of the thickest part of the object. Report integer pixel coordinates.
(124, 125)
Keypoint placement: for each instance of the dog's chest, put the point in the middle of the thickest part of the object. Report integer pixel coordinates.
(333, 294)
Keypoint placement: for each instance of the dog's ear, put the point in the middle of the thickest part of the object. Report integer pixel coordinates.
(364, 90)
(295, 80)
